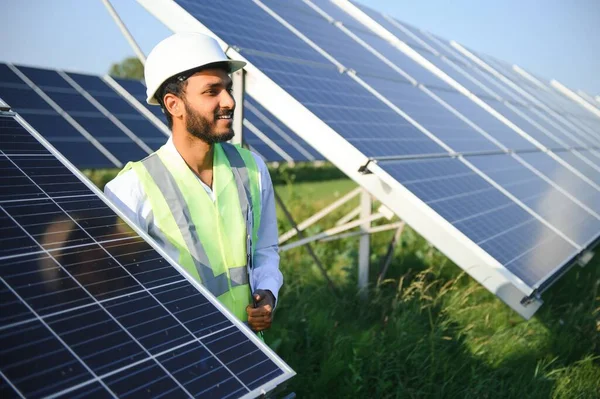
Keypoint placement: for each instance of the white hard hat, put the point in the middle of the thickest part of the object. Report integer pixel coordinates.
(179, 53)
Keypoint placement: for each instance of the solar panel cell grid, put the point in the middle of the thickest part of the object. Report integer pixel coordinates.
(288, 141)
(380, 19)
(89, 308)
(331, 39)
(121, 109)
(346, 107)
(90, 118)
(565, 178)
(486, 121)
(43, 117)
(546, 200)
(514, 237)
(138, 91)
(446, 126)
(257, 35)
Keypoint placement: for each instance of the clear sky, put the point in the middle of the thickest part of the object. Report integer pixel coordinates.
(556, 39)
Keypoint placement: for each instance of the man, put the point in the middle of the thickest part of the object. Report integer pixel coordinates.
(208, 204)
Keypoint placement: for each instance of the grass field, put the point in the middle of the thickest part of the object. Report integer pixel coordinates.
(428, 330)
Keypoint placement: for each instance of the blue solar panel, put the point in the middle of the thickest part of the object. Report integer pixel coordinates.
(138, 91)
(348, 108)
(486, 121)
(88, 307)
(331, 39)
(381, 20)
(534, 114)
(61, 134)
(433, 116)
(581, 161)
(259, 146)
(257, 35)
(529, 128)
(453, 73)
(270, 126)
(84, 112)
(546, 200)
(121, 109)
(515, 238)
(565, 178)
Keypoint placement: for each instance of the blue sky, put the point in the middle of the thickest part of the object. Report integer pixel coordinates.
(552, 38)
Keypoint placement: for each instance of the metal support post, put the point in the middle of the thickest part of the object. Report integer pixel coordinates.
(136, 48)
(390, 252)
(238, 78)
(288, 215)
(364, 243)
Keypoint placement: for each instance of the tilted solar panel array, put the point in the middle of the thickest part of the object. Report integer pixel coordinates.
(90, 309)
(507, 176)
(105, 122)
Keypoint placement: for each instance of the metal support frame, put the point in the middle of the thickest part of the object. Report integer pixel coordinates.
(319, 215)
(390, 251)
(335, 230)
(312, 254)
(364, 243)
(136, 48)
(238, 78)
(575, 97)
(4, 106)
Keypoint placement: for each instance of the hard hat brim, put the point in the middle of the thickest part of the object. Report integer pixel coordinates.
(232, 66)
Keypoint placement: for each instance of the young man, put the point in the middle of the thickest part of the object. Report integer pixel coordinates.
(208, 204)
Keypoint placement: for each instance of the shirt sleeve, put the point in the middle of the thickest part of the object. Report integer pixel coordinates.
(126, 193)
(266, 274)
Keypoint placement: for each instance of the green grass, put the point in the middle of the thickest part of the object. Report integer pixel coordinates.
(428, 330)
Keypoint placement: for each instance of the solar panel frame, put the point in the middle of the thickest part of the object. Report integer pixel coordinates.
(189, 281)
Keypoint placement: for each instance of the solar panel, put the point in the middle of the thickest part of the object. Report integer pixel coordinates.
(526, 116)
(74, 143)
(121, 110)
(517, 239)
(352, 98)
(265, 133)
(137, 90)
(526, 89)
(385, 21)
(91, 308)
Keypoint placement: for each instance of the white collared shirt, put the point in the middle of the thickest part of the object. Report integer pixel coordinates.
(127, 193)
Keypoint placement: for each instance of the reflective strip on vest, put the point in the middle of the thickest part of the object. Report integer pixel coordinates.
(217, 285)
(242, 180)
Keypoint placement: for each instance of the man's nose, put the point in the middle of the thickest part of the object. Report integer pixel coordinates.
(227, 100)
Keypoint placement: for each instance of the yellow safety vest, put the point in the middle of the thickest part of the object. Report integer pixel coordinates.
(213, 239)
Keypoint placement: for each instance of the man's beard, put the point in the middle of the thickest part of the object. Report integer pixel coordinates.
(200, 127)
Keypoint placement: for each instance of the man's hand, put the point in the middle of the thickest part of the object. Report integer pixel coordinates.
(260, 313)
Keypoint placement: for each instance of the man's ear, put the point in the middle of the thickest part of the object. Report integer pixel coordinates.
(173, 104)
